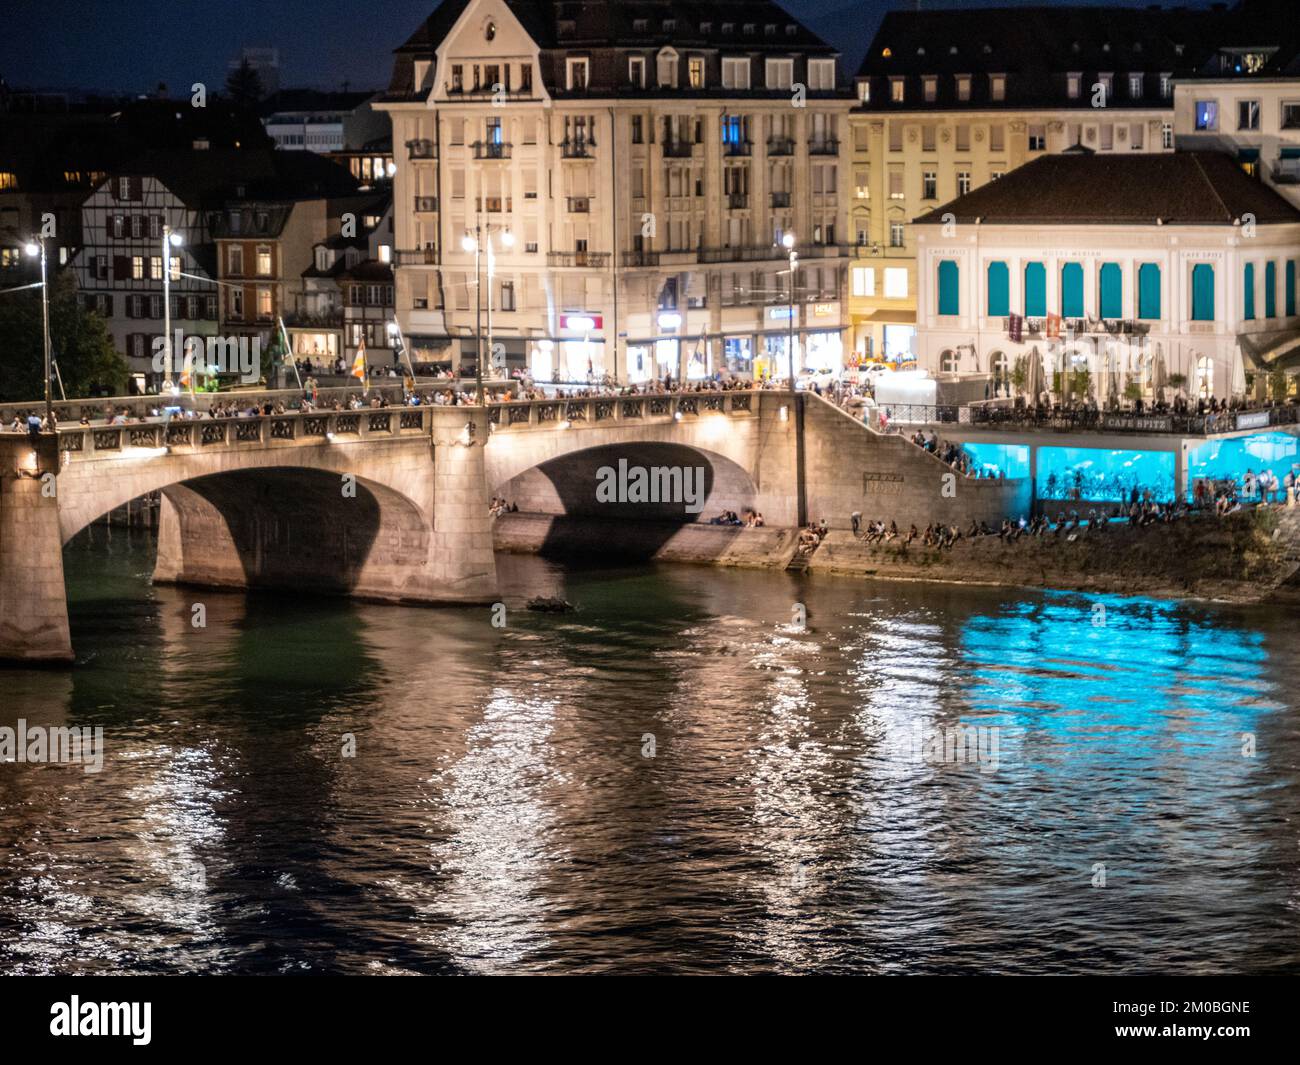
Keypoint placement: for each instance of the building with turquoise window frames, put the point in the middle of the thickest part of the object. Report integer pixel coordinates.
(1160, 273)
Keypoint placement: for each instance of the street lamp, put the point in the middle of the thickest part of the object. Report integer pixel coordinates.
(395, 334)
(170, 240)
(796, 399)
(37, 248)
(788, 242)
(507, 241)
(470, 243)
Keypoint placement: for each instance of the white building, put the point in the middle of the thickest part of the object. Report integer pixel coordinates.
(1120, 265)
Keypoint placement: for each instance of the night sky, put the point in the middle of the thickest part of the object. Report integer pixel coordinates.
(132, 45)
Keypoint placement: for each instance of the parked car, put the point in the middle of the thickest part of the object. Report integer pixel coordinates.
(808, 378)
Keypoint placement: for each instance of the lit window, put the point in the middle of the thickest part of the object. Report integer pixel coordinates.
(1207, 115)
(896, 283)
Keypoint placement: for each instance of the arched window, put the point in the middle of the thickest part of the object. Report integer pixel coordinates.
(949, 284)
(1111, 296)
(666, 71)
(1204, 384)
(948, 361)
(1202, 292)
(1035, 290)
(999, 290)
(1072, 290)
(999, 364)
(1248, 285)
(1149, 291)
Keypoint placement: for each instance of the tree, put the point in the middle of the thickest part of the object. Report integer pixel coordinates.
(79, 342)
(244, 85)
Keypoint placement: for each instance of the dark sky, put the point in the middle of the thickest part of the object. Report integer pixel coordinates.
(132, 45)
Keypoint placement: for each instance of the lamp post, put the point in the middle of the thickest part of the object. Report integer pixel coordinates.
(395, 333)
(796, 400)
(483, 236)
(37, 248)
(169, 240)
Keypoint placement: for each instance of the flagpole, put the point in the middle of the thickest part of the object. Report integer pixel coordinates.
(293, 361)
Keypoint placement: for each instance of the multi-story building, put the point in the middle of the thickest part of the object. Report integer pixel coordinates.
(951, 100)
(1245, 99)
(635, 168)
(322, 122)
(1133, 268)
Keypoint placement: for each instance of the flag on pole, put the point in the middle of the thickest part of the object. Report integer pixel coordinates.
(1054, 326)
(1015, 328)
(359, 365)
(187, 371)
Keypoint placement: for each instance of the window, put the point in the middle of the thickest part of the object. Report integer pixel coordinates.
(1149, 291)
(1111, 291)
(949, 286)
(507, 295)
(576, 72)
(264, 306)
(1167, 135)
(1270, 289)
(864, 91)
(1135, 86)
(929, 185)
(1136, 134)
(999, 290)
(1288, 282)
(963, 182)
(1166, 86)
(963, 87)
(994, 175)
(237, 303)
(821, 75)
(997, 87)
(155, 267)
(695, 72)
(1072, 290)
(1290, 114)
(636, 71)
(137, 267)
(896, 90)
(1248, 114)
(862, 184)
(236, 260)
(929, 88)
(997, 141)
(864, 281)
(896, 282)
(457, 79)
(1248, 287)
(1073, 83)
(735, 73)
(264, 261)
(779, 73)
(1035, 290)
(928, 138)
(895, 238)
(1037, 138)
(895, 183)
(1202, 292)
(1207, 115)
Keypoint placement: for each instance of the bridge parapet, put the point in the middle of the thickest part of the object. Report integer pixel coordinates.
(587, 411)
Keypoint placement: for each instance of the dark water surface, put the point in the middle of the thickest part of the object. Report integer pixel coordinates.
(500, 814)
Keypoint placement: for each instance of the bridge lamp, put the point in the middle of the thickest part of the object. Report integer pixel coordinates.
(468, 243)
(36, 249)
(507, 239)
(566, 424)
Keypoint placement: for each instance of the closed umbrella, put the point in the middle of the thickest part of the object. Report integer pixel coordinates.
(1159, 375)
(1238, 375)
(1034, 376)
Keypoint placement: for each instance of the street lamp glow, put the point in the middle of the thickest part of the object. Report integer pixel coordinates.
(32, 249)
(507, 239)
(468, 243)
(788, 240)
(176, 239)
(392, 329)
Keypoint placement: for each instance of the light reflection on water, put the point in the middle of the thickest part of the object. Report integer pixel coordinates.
(499, 814)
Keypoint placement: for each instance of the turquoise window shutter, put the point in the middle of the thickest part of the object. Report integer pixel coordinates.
(999, 290)
(1035, 290)
(1149, 291)
(1248, 284)
(1072, 290)
(1203, 292)
(1112, 291)
(949, 301)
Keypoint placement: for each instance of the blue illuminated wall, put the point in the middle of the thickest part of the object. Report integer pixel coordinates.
(1100, 475)
(1011, 460)
(1230, 459)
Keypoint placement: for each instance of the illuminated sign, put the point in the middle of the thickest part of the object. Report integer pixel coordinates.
(583, 323)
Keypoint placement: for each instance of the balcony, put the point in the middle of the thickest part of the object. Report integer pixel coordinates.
(640, 258)
(780, 199)
(579, 205)
(425, 204)
(490, 150)
(591, 260)
(824, 146)
(780, 146)
(741, 255)
(577, 149)
(737, 148)
(419, 149)
(493, 204)
(416, 256)
(678, 149)
(737, 201)
(1287, 173)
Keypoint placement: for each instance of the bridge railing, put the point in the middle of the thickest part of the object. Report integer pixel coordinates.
(592, 410)
(314, 427)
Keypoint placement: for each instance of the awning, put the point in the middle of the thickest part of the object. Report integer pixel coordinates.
(896, 317)
(1248, 155)
(1276, 350)
(1289, 153)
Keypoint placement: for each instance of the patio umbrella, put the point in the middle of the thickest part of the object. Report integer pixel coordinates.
(1238, 375)
(1159, 375)
(1034, 375)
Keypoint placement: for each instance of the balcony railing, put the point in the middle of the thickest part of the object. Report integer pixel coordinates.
(493, 204)
(780, 199)
(416, 256)
(780, 146)
(592, 260)
(579, 205)
(640, 258)
(737, 148)
(578, 149)
(426, 203)
(491, 150)
(678, 149)
(824, 146)
(736, 255)
(737, 201)
(419, 149)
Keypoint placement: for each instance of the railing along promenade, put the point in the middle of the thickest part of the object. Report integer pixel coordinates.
(390, 421)
(1070, 421)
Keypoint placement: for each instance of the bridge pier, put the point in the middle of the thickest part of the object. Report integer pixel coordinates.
(461, 562)
(33, 603)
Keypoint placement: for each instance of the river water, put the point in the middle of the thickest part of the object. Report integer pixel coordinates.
(679, 776)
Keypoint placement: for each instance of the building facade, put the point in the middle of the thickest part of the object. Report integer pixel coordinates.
(951, 100)
(625, 176)
(1177, 269)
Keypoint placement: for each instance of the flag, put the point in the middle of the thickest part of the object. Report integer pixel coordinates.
(359, 365)
(1054, 326)
(187, 372)
(1016, 328)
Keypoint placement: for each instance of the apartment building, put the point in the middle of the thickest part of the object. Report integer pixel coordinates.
(951, 100)
(620, 178)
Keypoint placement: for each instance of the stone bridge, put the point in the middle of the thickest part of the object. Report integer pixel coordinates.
(390, 503)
